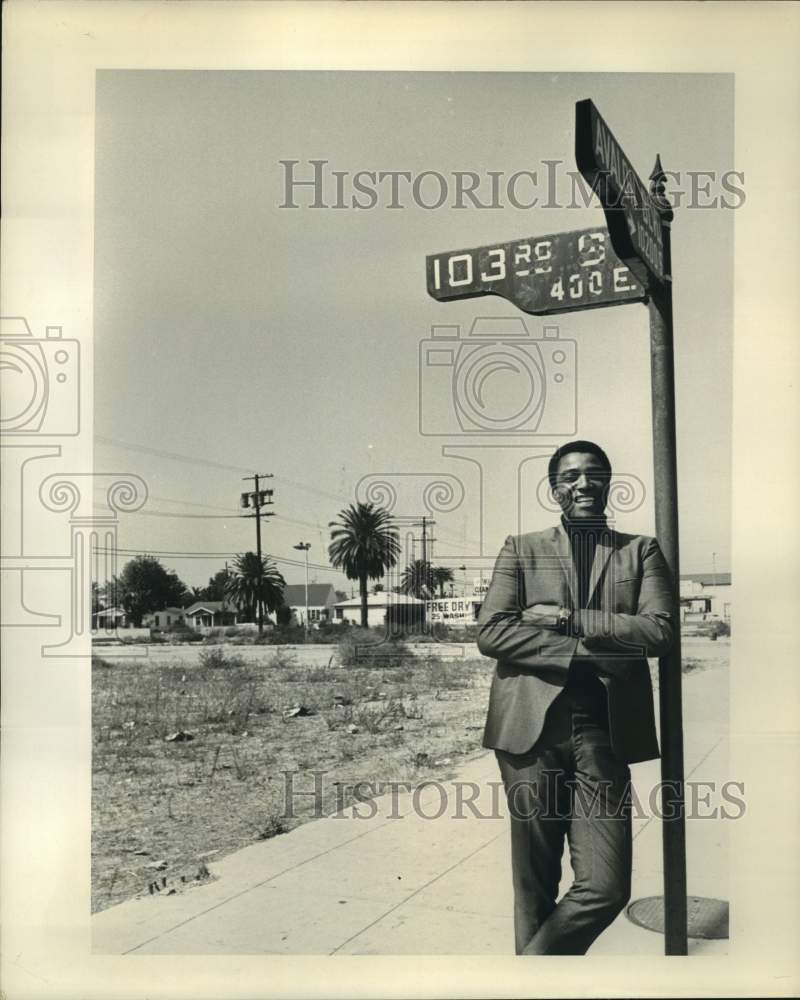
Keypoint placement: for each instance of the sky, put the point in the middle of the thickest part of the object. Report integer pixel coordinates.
(234, 335)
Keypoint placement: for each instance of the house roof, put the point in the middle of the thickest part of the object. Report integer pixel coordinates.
(708, 579)
(380, 600)
(116, 612)
(208, 606)
(319, 594)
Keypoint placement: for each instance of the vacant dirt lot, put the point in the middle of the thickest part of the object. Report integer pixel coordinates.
(163, 807)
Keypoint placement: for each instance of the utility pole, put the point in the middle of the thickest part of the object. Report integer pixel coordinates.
(259, 498)
(714, 567)
(425, 523)
(304, 547)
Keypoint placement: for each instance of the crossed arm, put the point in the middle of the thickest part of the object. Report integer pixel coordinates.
(522, 635)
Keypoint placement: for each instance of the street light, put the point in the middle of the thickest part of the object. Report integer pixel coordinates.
(304, 547)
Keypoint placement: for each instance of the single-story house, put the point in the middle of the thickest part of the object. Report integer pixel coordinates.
(110, 618)
(210, 614)
(706, 594)
(164, 618)
(378, 607)
(321, 601)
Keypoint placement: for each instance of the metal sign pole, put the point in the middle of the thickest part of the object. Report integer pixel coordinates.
(665, 481)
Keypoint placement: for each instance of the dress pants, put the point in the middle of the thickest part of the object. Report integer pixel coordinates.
(569, 785)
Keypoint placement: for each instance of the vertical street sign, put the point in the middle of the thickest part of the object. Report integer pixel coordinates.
(633, 218)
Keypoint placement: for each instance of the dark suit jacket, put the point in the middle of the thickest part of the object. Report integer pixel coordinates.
(630, 616)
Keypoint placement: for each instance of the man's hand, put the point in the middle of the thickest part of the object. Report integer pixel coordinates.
(542, 615)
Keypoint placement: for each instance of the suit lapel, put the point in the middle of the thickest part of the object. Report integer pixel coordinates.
(602, 553)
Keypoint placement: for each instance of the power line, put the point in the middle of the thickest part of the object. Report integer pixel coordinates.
(173, 455)
(175, 513)
(194, 460)
(284, 560)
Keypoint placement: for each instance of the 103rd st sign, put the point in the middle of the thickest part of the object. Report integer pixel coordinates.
(542, 275)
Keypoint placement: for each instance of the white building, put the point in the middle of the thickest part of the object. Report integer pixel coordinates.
(706, 596)
(378, 606)
(321, 601)
(164, 618)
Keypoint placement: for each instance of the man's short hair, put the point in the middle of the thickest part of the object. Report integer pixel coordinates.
(589, 447)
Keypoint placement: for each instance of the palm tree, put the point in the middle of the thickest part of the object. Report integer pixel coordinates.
(418, 579)
(441, 576)
(364, 544)
(242, 585)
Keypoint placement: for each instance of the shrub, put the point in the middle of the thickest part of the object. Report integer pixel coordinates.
(216, 659)
(282, 661)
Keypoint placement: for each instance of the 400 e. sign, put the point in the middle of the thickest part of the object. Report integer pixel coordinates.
(542, 275)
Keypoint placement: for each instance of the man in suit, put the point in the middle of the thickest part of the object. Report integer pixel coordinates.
(571, 615)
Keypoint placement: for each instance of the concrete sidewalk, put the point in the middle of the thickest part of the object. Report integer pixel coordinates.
(400, 883)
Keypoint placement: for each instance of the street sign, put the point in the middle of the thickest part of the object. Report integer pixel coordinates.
(633, 218)
(542, 275)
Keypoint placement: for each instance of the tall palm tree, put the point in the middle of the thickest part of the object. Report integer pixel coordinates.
(242, 585)
(364, 544)
(418, 579)
(441, 576)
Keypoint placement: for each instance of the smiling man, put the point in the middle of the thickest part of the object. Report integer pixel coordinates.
(571, 615)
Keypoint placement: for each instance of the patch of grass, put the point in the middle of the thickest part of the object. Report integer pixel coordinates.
(282, 661)
(217, 659)
(312, 675)
(445, 674)
(274, 826)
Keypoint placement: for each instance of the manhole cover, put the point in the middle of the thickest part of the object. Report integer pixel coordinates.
(706, 918)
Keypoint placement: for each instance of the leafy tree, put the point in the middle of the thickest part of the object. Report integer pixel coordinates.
(418, 579)
(242, 586)
(144, 585)
(364, 544)
(215, 591)
(340, 595)
(441, 576)
(191, 596)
